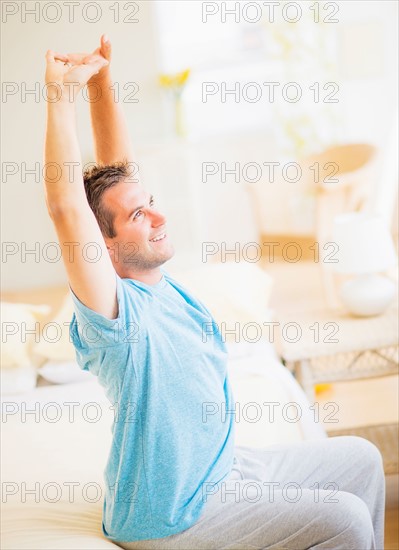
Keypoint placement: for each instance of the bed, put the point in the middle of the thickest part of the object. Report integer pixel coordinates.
(56, 437)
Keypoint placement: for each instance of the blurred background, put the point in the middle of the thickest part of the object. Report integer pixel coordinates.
(217, 96)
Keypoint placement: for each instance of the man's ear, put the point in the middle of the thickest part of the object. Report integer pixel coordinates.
(110, 247)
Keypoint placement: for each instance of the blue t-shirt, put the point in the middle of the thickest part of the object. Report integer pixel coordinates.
(163, 365)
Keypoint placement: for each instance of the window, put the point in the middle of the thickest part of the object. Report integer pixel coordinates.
(233, 65)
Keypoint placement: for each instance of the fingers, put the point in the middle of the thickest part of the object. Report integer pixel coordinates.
(106, 46)
(98, 64)
(52, 57)
(86, 70)
(95, 58)
(76, 58)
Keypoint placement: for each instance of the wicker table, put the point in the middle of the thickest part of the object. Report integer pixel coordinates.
(322, 346)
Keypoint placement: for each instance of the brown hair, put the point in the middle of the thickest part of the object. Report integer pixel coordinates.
(97, 180)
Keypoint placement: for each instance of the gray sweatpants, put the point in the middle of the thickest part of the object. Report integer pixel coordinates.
(327, 493)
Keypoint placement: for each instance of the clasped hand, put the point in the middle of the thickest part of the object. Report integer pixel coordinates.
(67, 74)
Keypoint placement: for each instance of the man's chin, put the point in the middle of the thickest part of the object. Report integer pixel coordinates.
(148, 261)
(171, 251)
(169, 255)
(166, 255)
(168, 249)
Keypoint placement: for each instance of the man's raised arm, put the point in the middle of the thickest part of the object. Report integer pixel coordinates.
(79, 235)
(110, 133)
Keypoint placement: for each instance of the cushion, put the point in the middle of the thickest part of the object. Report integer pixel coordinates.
(19, 329)
(233, 292)
(18, 379)
(64, 372)
(56, 345)
(16, 322)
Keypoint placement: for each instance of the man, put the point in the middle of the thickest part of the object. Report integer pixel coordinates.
(174, 478)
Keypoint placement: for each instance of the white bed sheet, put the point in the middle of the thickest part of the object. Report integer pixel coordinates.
(48, 456)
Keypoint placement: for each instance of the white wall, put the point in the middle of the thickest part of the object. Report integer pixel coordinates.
(24, 214)
(216, 212)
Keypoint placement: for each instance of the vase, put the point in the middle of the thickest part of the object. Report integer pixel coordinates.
(180, 129)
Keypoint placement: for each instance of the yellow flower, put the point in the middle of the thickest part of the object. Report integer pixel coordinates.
(176, 80)
(183, 77)
(165, 80)
(319, 388)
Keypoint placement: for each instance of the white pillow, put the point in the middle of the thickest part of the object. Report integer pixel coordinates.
(17, 320)
(18, 379)
(55, 342)
(233, 292)
(64, 372)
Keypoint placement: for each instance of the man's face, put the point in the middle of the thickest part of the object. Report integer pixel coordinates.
(136, 222)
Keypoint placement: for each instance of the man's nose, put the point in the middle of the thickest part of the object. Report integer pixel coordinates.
(157, 218)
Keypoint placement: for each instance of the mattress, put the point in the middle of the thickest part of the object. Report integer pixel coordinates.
(55, 442)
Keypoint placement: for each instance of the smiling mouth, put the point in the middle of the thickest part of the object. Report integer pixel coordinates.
(158, 238)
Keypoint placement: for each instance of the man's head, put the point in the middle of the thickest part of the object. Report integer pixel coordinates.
(128, 219)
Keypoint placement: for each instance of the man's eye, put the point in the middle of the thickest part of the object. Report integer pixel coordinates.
(152, 201)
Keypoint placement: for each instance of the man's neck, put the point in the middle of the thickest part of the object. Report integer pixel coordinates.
(149, 276)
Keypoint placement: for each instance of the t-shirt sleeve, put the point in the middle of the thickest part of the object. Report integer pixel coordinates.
(102, 345)
(94, 330)
(100, 341)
